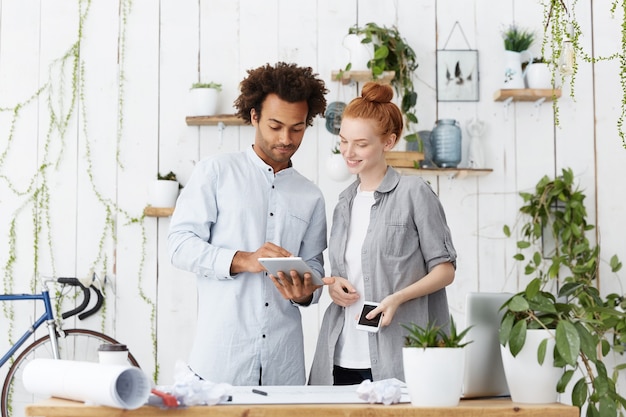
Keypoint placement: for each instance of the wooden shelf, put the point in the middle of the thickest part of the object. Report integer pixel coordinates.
(226, 119)
(347, 77)
(526, 94)
(457, 173)
(158, 211)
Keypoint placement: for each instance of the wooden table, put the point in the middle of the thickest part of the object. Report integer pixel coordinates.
(499, 407)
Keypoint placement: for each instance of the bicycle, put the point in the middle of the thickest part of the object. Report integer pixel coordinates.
(70, 344)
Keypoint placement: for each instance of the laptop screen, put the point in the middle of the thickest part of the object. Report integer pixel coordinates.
(484, 374)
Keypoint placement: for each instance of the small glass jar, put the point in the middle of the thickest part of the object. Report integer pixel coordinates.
(445, 139)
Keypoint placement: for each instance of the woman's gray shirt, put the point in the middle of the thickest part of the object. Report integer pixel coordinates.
(407, 236)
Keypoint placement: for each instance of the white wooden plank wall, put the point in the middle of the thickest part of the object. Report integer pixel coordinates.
(171, 44)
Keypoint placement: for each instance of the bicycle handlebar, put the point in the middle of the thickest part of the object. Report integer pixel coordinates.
(86, 298)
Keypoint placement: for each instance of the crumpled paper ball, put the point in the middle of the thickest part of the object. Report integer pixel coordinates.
(386, 391)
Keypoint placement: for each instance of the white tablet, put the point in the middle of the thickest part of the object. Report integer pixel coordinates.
(273, 265)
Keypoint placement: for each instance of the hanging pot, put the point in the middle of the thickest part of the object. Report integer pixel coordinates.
(336, 167)
(360, 53)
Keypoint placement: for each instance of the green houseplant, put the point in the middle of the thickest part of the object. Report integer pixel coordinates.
(586, 326)
(517, 39)
(392, 52)
(434, 364)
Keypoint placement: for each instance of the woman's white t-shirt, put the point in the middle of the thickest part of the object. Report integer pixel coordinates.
(353, 347)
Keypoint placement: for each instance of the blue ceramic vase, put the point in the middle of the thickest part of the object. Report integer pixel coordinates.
(445, 139)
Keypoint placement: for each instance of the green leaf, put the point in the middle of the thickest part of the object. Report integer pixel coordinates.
(579, 393)
(588, 343)
(381, 52)
(518, 304)
(567, 342)
(505, 327)
(564, 380)
(517, 338)
(541, 351)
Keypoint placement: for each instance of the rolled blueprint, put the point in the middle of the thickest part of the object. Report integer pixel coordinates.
(120, 386)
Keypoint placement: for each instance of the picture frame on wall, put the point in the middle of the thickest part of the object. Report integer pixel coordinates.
(457, 75)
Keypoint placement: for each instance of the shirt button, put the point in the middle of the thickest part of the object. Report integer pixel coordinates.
(263, 336)
(271, 214)
(373, 360)
(374, 207)
(273, 186)
(267, 304)
(366, 278)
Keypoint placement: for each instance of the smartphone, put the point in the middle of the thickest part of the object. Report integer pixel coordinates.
(273, 265)
(365, 324)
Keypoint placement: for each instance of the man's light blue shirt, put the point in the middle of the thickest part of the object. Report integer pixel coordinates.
(234, 202)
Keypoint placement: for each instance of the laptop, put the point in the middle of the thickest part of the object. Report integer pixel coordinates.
(484, 374)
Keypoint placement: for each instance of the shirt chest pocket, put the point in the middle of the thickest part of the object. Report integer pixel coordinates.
(291, 231)
(399, 240)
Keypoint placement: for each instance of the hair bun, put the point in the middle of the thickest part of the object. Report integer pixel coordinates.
(377, 93)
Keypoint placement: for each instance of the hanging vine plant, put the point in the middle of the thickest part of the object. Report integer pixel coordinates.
(562, 38)
(34, 197)
(392, 52)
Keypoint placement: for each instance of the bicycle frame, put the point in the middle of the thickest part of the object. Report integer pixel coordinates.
(46, 317)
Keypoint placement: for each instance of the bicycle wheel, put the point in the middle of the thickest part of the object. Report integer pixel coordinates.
(77, 344)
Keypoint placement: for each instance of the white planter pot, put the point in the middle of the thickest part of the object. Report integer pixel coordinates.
(162, 193)
(528, 381)
(434, 376)
(360, 53)
(203, 101)
(538, 76)
(336, 167)
(513, 74)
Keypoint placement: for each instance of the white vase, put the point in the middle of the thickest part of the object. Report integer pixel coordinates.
(162, 193)
(538, 75)
(513, 74)
(528, 381)
(434, 376)
(336, 167)
(203, 101)
(360, 53)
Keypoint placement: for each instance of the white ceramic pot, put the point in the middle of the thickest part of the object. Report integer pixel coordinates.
(434, 376)
(538, 75)
(203, 101)
(336, 168)
(528, 381)
(162, 193)
(360, 53)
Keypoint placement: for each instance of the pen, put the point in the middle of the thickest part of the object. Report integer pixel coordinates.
(258, 391)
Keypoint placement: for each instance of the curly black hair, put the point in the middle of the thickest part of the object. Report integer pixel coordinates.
(289, 81)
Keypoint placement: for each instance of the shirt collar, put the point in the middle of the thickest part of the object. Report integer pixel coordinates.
(256, 160)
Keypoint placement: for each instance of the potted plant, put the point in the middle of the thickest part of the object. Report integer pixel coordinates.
(392, 52)
(434, 364)
(204, 98)
(563, 297)
(163, 191)
(538, 74)
(516, 44)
